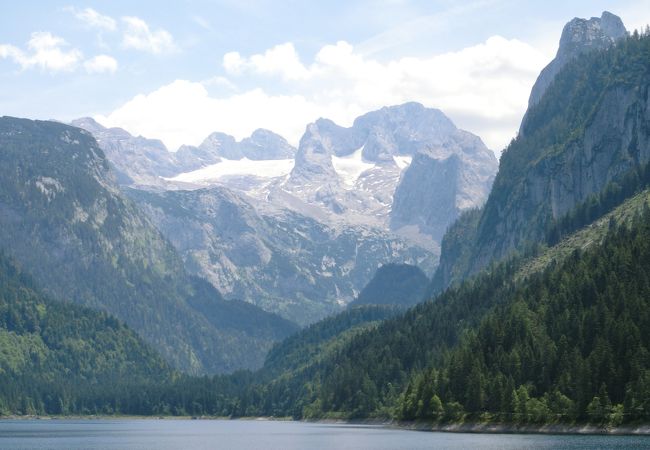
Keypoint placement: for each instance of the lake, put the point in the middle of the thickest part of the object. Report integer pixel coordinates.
(272, 435)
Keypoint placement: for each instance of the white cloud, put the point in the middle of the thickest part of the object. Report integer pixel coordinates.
(184, 113)
(483, 88)
(101, 64)
(93, 19)
(282, 60)
(44, 50)
(138, 36)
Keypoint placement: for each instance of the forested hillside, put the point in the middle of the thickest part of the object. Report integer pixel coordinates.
(64, 220)
(49, 350)
(394, 284)
(581, 148)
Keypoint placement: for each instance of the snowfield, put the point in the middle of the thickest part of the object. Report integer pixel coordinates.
(350, 167)
(242, 167)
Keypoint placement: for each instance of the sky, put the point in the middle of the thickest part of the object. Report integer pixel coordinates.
(180, 70)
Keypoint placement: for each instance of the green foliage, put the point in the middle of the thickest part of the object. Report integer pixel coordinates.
(394, 284)
(581, 151)
(49, 348)
(597, 206)
(574, 340)
(64, 220)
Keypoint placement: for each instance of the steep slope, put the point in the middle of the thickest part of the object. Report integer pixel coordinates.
(569, 344)
(566, 342)
(278, 259)
(587, 133)
(135, 160)
(578, 36)
(394, 284)
(48, 347)
(63, 219)
(301, 351)
(362, 174)
(41, 337)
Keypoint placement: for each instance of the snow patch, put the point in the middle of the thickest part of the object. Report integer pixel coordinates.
(231, 167)
(349, 168)
(402, 161)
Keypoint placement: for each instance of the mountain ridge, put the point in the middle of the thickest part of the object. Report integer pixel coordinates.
(65, 220)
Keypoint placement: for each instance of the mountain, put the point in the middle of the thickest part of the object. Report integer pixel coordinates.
(394, 284)
(350, 199)
(39, 336)
(63, 218)
(383, 169)
(280, 260)
(303, 349)
(357, 175)
(584, 137)
(147, 163)
(554, 337)
(135, 160)
(579, 36)
(49, 349)
(556, 330)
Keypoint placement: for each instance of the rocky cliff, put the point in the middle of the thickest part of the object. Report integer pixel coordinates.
(588, 131)
(579, 36)
(387, 170)
(282, 261)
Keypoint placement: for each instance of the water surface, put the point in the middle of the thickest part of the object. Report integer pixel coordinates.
(270, 435)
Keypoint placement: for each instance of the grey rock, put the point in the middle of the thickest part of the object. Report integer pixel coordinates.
(578, 36)
(282, 261)
(136, 160)
(264, 145)
(384, 195)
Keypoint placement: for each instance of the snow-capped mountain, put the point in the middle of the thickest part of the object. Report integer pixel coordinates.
(364, 174)
(300, 231)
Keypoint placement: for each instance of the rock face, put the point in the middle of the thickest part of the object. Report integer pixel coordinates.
(304, 240)
(135, 160)
(362, 173)
(264, 145)
(147, 163)
(460, 176)
(261, 145)
(63, 218)
(280, 260)
(588, 130)
(579, 36)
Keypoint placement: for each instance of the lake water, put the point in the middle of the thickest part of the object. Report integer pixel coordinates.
(252, 434)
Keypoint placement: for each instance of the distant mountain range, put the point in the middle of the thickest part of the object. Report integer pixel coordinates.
(306, 228)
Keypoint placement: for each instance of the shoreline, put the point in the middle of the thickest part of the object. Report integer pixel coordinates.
(556, 429)
(476, 428)
(496, 428)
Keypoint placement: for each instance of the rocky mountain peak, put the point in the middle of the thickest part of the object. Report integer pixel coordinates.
(356, 171)
(265, 144)
(89, 124)
(221, 145)
(578, 36)
(581, 35)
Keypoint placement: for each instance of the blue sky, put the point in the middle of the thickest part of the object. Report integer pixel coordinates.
(178, 71)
